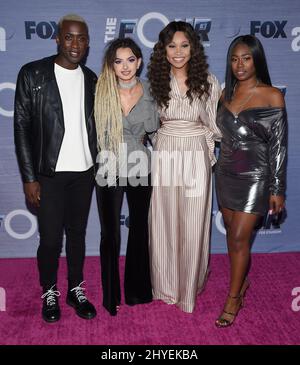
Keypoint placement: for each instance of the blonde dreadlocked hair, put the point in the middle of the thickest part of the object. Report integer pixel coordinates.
(108, 112)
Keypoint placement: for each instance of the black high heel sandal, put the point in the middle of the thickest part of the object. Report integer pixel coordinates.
(222, 322)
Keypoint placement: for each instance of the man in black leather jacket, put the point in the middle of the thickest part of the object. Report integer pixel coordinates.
(55, 142)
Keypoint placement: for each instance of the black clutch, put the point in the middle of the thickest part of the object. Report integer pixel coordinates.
(274, 220)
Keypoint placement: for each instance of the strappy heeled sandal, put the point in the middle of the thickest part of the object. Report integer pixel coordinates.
(222, 322)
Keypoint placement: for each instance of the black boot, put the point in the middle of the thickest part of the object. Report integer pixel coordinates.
(51, 310)
(77, 299)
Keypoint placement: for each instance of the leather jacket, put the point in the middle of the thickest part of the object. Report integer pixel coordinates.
(38, 118)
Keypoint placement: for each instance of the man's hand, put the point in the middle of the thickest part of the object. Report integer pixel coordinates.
(32, 193)
(276, 203)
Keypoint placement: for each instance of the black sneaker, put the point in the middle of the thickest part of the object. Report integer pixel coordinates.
(77, 299)
(51, 310)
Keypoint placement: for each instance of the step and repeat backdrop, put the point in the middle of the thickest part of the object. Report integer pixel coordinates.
(27, 32)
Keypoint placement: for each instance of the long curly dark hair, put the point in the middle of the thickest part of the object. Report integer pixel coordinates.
(159, 68)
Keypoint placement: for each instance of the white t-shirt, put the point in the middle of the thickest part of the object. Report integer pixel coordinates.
(74, 154)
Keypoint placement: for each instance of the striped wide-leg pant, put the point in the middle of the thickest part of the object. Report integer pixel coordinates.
(180, 214)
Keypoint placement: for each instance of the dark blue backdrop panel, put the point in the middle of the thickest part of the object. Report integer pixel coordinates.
(27, 32)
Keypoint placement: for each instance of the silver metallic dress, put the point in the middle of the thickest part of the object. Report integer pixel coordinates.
(252, 160)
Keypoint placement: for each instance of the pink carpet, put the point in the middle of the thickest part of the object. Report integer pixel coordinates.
(267, 318)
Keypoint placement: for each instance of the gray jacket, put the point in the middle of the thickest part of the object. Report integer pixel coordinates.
(143, 118)
(135, 159)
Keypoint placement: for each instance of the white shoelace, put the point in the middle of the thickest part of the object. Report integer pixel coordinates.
(79, 292)
(50, 295)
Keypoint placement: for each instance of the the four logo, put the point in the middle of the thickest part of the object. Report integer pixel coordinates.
(4, 86)
(7, 223)
(131, 26)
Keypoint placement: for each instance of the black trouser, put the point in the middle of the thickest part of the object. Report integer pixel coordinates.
(137, 282)
(64, 206)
